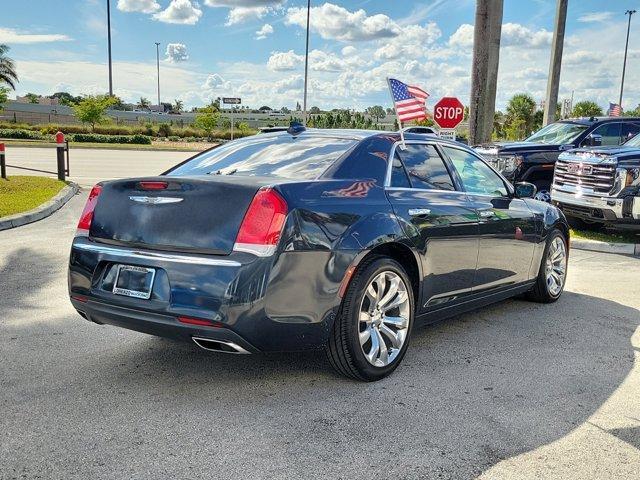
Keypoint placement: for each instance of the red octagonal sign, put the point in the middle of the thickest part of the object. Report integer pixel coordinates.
(448, 112)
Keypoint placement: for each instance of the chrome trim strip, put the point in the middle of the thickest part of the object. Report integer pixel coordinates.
(238, 349)
(163, 257)
(155, 200)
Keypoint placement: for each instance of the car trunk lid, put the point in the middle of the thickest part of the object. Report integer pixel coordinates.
(191, 214)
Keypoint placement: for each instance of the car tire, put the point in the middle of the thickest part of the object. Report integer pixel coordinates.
(547, 288)
(348, 340)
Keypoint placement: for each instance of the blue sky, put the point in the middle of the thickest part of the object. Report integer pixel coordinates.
(253, 49)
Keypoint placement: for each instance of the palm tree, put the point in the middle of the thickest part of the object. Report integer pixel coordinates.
(178, 106)
(8, 73)
(144, 103)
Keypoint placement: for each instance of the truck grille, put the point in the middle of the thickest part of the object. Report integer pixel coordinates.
(597, 177)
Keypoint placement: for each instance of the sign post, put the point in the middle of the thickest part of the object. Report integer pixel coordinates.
(231, 101)
(60, 149)
(448, 113)
(3, 166)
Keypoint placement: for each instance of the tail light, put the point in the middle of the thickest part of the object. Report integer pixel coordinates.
(87, 214)
(153, 185)
(262, 224)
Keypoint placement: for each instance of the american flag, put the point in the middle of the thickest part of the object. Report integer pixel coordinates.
(615, 110)
(409, 101)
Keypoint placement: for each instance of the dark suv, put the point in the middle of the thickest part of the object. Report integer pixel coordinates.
(533, 159)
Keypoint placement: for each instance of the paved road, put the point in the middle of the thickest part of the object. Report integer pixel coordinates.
(516, 390)
(89, 166)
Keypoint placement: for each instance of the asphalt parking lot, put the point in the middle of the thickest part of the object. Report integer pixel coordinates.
(516, 390)
(88, 166)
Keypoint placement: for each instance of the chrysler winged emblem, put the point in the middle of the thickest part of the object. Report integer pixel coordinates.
(155, 200)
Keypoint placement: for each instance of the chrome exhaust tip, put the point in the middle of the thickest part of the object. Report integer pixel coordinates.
(222, 346)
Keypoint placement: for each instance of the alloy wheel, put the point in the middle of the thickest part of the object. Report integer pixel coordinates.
(543, 196)
(556, 266)
(384, 318)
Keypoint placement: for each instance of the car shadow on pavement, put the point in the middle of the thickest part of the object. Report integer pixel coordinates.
(22, 266)
(472, 390)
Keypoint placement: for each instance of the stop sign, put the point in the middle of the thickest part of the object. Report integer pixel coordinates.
(448, 112)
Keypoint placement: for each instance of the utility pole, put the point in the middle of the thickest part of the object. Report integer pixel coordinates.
(109, 47)
(553, 82)
(306, 66)
(626, 47)
(158, 67)
(484, 70)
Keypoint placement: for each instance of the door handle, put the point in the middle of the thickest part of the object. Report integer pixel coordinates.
(487, 213)
(417, 212)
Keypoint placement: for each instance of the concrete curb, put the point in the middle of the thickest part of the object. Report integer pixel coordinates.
(605, 247)
(42, 211)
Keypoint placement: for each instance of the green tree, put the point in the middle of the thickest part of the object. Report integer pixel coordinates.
(314, 110)
(178, 106)
(3, 97)
(520, 116)
(91, 109)
(376, 112)
(143, 103)
(8, 73)
(32, 97)
(207, 120)
(586, 108)
(66, 98)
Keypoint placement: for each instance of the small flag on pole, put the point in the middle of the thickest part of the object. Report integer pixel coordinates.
(408, 100)
(615, 110)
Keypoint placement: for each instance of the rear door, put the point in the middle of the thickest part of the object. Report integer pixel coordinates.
(439, 219)
(507, 226)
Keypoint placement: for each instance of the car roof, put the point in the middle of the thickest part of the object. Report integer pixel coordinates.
(592, 120)
(358, 134)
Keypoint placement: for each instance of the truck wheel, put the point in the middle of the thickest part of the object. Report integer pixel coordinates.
(553, 270)
(371, 332)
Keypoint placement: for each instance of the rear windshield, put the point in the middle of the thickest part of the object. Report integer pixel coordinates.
(278, 156)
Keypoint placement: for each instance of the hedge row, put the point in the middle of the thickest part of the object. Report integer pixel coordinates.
(152, 130)
(21, 134)
(97, 138)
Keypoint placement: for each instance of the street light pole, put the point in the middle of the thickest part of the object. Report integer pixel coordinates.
(158, 68)
(626, 47)
(109, 47)
(306, 66)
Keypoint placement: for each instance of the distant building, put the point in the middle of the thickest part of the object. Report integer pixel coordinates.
(41, 100)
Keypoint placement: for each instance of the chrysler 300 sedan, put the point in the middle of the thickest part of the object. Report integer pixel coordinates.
(310, 239)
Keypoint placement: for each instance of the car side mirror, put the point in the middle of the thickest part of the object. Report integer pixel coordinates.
(593, 140)
(525, 190)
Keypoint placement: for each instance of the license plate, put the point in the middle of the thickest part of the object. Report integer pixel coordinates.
(132, 281)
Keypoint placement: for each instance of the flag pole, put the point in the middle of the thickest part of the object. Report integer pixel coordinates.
(403, 145)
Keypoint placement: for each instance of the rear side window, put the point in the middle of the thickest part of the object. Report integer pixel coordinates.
(611, 133)
(425, 168)
(304, 157)
(630, 130)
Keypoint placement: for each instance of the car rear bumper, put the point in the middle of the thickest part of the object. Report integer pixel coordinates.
(612, 210)
(260, 304)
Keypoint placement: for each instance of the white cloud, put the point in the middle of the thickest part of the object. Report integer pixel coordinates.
(288, 84)
(180, 11)
(143, 6)
(333, 22)
(349, 51)
(514, 34)
(284, 61)
(595, 17)
(176, 52)
(410, 43)
(325, 62)
(264, 32)
(11, 36)
(462, 37)
(581, 57)
(243, 10)
(214, 82)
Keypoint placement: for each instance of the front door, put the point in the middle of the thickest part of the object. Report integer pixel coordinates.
(507, 226)
(440, 221)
